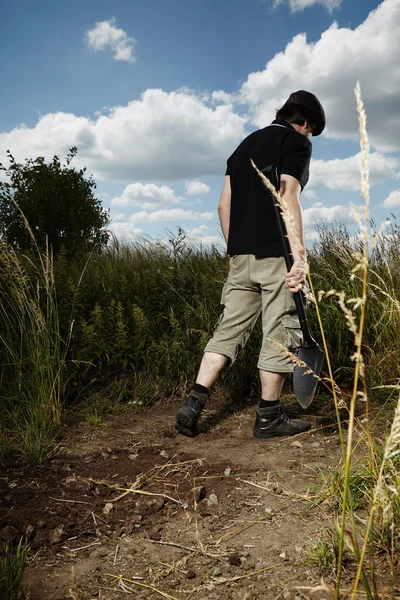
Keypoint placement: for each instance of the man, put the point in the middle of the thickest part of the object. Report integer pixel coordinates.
(258, 282)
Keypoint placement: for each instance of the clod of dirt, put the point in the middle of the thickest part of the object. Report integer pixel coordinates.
(61, 510)
(278, 490)
(78, 484)
(200, 492)
(155, 536)
(288, 595)
(131, 521)
(235, 560)
(9, 534)
(150, 506)
(41, 524)
(56, 535)
(102, 490)
(191, 574)
(296, 444)
(212, 500)
(315, 445)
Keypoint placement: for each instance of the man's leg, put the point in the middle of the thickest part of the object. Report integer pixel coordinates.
(188, 417)
(210, 367)
(242, 305)
(280, 323)
(271, 385)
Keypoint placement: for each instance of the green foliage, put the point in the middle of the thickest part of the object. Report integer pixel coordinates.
(323, 554)
(58, 203)
(12, 566)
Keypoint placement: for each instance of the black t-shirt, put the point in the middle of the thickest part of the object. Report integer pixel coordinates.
(253, 225)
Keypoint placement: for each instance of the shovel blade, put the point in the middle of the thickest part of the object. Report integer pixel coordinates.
(305, 384)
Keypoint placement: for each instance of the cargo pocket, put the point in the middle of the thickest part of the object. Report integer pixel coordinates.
(294, 336)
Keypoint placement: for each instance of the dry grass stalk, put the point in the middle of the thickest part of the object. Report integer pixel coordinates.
(143, 585)
(381, 496)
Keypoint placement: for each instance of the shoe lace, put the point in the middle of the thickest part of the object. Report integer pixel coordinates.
(283, 415)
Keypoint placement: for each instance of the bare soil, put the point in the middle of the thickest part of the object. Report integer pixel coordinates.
(131, 509)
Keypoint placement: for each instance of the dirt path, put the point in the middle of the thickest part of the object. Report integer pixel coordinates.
(221, 516)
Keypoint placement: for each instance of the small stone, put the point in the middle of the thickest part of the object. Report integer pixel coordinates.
(191, 574)
(104, 454)
(212, 500)
(216, 572)
(298, 549)
(278, 490)
(56, 534)
(288, 595)
(200, 492)
(133, 456)
(108, 508)
(315, 445)
(283, 555)
(155, 536)
(235, 560)
(296, 444)
(114, 457)
(164, 454)
(227, 471)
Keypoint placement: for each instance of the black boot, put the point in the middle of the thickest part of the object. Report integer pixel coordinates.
(188, 417)
(273, 421)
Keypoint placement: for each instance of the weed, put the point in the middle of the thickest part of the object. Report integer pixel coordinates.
(12, 566)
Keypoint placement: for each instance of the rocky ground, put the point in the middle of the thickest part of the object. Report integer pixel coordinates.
(131, 509)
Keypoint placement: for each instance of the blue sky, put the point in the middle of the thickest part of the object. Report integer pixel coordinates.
(156, 95)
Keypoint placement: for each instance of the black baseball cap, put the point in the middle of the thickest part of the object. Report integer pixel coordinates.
(313, 106)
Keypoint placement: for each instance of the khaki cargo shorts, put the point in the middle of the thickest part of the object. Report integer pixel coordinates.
(256, 285)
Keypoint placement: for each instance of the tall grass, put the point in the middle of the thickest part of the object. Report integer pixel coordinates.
(32, 350)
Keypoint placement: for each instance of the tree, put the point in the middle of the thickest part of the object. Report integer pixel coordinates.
(58, 203)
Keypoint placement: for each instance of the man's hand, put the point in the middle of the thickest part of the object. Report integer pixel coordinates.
(296, 277)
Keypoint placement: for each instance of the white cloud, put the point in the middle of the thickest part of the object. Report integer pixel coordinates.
(105, 35)
(118, 217)
(344, 174)
(147, 196)
(297, 5)
(196, 187)
(201, 236)
(329, 214)
(125, 231)
(330, 68)
(160, 137)
(171, 214)
(393, 200)
(221, 96)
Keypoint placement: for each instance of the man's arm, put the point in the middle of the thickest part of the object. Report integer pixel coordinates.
(290, 191)
(224, 207)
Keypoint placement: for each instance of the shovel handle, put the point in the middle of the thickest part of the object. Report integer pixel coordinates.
(271, 172)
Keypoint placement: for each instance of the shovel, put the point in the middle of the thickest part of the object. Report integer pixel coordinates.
(310, 353)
